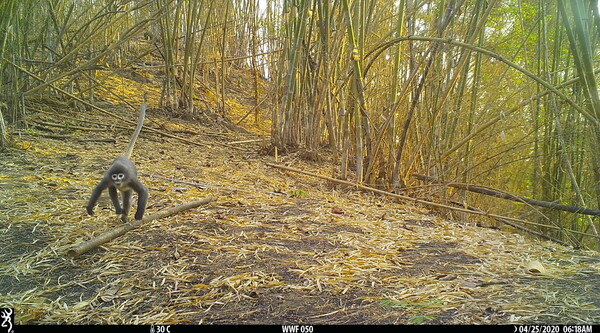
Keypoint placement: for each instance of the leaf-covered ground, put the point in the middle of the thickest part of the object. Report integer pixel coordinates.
(275, 247)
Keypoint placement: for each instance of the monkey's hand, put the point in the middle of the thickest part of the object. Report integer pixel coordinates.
(90, 210)
(124, 218)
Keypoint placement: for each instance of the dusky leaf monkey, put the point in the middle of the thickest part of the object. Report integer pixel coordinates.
(122, 176)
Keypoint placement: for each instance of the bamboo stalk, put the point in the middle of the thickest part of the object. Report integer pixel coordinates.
(4, 139)
(223, 72)
(122, 229)
(360, 124)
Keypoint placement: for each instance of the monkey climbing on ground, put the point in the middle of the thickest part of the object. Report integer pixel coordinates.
(122, 176)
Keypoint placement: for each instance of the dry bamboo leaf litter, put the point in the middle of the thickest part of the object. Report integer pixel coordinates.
(274, 245)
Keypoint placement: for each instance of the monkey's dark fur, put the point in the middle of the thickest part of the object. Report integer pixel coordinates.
(122, 176)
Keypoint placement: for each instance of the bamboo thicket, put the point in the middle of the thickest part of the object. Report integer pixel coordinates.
(487, 92)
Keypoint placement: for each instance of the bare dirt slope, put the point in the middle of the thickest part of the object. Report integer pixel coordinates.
(275, 247)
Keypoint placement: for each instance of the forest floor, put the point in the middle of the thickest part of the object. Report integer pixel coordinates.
(274, 247)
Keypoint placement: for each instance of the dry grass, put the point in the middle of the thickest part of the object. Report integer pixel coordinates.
(274, 248)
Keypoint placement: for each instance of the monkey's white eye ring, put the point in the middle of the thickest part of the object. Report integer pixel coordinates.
(117, 176)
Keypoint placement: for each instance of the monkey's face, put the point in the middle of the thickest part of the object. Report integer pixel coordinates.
(118, 179)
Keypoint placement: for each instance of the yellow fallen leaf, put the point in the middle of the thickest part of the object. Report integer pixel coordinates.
(534, 267)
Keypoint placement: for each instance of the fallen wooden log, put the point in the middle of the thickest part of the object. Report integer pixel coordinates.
(125, 227)
(426, 202)
(394, 195)
(522, 228)
(512, 197)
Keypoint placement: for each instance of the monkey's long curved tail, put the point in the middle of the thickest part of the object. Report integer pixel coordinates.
(138, 129)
